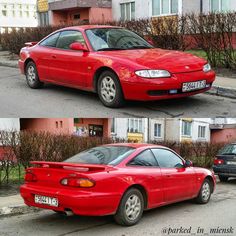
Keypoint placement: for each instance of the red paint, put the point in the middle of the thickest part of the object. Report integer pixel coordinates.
(77, 68)
(162, 185)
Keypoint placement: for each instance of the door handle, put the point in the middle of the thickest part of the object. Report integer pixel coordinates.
(54, 57)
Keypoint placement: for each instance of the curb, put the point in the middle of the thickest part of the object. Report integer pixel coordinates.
(9, 64)
(223, 92)
(17, 210)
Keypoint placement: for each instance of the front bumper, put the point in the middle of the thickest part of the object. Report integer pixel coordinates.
(141, 89)
(78, 201)
(21, 66)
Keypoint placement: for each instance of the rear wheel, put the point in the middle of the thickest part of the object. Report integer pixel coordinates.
(131, 208)
(223, 178)
(109, 90)
(205, 192)
(32, 77)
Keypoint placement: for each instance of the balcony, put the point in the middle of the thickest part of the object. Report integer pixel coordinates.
(57, 5)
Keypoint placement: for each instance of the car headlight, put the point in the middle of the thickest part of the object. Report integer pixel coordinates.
(207, 68)
(153, 73)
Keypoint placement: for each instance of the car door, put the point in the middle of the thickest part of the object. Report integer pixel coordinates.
(44, 55)
(68, 66)
(178, 181)
(147, 172)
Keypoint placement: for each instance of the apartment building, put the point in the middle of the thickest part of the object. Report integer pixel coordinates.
(17, 14)
(77, 11)
(138, 9)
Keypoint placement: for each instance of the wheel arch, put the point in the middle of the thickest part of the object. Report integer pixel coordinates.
(211, 181)
(97, 74)
(27, 61)
(142, 189)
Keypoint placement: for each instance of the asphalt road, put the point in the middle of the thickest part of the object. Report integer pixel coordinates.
(17, 100)
(219, 212)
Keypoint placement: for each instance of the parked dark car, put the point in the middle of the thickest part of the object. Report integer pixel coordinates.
(225, 162)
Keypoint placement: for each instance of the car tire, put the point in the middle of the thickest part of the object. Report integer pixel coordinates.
(131, 208)
(109, 90)
(205, 192)
(223, 178)
(32, 77)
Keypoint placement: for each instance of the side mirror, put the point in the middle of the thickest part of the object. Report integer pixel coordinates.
(78, 47)
(150, 41)
(188, 164)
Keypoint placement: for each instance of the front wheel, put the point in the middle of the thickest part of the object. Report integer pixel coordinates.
(131, 208)
(109, 90)
(205, 192)
(32, 77)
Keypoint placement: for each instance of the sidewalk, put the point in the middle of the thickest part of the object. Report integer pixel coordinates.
(14, 205)
(223, 86)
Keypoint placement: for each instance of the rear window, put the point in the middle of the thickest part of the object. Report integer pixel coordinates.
(228, 150)
(105, 155)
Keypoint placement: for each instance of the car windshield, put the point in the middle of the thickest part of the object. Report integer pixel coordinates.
(108, 39)
(105, 155)
(228, 150)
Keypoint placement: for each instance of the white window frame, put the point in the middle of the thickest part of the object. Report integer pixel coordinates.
(191, 125)
(125, 5)
(168, 14)
(200, 132)
(158, 125)
(140, 123)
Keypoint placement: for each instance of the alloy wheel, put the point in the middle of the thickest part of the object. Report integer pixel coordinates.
(206, 191)
(108, 89)
(133, 207)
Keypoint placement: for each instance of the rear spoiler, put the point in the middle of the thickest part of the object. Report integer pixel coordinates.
(65, 165)
(30, 44)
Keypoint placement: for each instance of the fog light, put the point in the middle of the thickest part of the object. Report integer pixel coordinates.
(173, 91)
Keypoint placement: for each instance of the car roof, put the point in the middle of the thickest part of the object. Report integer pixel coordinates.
(136, 145)
(85, 27)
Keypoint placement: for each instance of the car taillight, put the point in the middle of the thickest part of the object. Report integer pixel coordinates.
(218, 161)
(78, 182)
(30, 177)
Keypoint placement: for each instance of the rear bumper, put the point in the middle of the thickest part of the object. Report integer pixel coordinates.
(137, 88)
(225, 171)
(79, 202)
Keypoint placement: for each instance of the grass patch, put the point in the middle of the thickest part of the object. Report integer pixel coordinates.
(199, 53)
(15, 175)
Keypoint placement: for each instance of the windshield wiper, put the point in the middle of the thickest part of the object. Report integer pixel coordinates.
(228, 154)
(109, 49)
(140, 47)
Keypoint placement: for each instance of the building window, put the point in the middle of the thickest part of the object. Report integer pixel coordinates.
(186, 128)
(56, 124)
(157, 130)
(43, 19)
(127, 11)
(77, 16)
(135, 125)
(220, 5)
(61, 124)
(164, 7)
(201, 131)
(95, 130)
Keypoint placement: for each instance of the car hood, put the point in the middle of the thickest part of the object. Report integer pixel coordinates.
(173, 61)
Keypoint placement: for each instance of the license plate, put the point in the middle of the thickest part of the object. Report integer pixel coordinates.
(231, 162)
(51, 201)
(191, 86)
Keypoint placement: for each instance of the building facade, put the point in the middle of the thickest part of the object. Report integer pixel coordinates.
(139, 9)
(17, 14)
(42, 10)
(145, 130)
(77, 11)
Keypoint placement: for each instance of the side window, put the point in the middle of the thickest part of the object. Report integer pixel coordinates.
(51, 41)
(68, 37)
(167, 159)
(145, 158)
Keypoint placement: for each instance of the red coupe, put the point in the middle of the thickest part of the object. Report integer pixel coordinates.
(117, 179)
(114, 62)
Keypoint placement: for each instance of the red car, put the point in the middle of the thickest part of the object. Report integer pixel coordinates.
(117, 179)
(114, 62)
